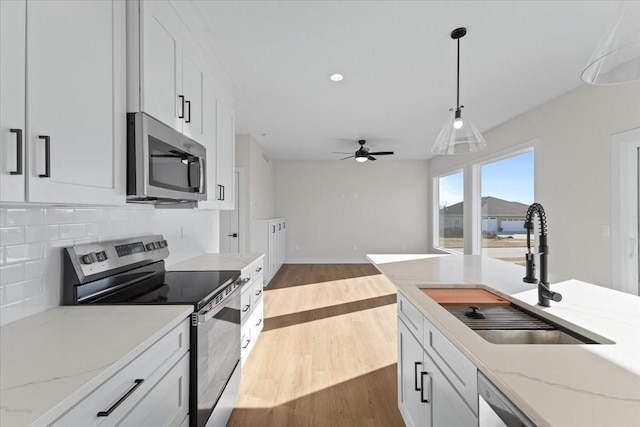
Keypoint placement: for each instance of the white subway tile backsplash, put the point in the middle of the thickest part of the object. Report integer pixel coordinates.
(73, 231)
(24, 253)
(35, 216)
(33, 269)
(87, 215)
(60, 216)
(11, 236)
(35, 233)
(11, 312)
(16, 217)
(32, 238)
(11, 274)
(13, 293)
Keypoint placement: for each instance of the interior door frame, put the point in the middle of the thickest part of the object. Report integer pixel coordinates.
(240, 207)
(625, 212)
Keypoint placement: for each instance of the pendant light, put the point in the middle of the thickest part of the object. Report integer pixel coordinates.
(458, 135)
(617, 57)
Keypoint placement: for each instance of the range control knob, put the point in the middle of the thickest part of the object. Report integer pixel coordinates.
(87, 259)
(101, 256)
(149, 246)
(165, 243)
(156, 245)
(162, 243)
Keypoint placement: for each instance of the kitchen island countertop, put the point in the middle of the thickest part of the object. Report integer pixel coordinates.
(555, 385)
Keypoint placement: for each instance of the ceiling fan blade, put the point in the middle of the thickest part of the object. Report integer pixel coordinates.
(382, 153)
(345, 158)
(371, 158)
(339, 152)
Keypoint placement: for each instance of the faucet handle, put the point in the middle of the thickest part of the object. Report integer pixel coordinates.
(530, 276)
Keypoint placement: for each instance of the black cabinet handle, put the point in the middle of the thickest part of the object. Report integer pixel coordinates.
(219, 196)
(188, 120)
(223, 193)
(181, 114)
(427, 387)
(18, 133)
(245, 308)
(274, 229)
(258, 270)
(279, 227)
(108, 412)
(47, 156)
(259, 321)
(246, 345)
(258, 293)
(415, 375)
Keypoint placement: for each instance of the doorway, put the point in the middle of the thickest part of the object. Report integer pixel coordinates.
(625, 209)
(231, 221)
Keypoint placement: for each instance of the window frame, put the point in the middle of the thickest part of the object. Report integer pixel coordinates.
(435, 181)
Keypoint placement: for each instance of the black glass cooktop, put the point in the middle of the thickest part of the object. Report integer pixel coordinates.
(173, 287)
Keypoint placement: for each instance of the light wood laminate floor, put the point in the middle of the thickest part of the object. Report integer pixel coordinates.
(327, 354)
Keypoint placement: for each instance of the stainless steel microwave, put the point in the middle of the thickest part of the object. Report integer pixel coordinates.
(164, 167)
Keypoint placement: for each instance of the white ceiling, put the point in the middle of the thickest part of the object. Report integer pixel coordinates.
(399, 66)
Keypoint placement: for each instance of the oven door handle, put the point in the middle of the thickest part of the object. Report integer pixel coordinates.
(205, 315)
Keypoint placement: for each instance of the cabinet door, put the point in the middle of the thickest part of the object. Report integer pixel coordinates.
(76, 101)
(447, 406)
(12, 99)
(192, 89)
(415, 412)
(161, 63)
(167, 404)
(226, 157)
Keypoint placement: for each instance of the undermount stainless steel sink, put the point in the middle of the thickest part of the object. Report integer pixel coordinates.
(512, 324)
(529, 337)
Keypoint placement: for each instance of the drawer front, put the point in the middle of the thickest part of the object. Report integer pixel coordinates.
(256, 291)
(257, 319)
(169, 349)
(454, 365)
(245, 342)
(246, 301)
(412, 318)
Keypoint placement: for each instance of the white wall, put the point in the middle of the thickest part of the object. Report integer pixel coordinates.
(338, 211)
(258, 193)
(573, 171)
(31, 238)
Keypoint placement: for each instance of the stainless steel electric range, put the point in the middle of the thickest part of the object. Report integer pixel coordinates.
(132, 271)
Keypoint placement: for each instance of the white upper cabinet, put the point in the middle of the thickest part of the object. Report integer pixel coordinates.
(160, 90)
(225, 144)
(170, 70)
(12, 99)
(75, 103)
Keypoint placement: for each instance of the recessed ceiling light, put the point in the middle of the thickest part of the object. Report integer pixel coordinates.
(265, 135)
(336, 77)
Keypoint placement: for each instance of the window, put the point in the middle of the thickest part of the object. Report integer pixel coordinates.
(506, 193)
(450, 189)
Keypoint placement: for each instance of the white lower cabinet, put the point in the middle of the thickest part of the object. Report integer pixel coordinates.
(426, 378)
(252, 308)
(268, 236)
(152, 390)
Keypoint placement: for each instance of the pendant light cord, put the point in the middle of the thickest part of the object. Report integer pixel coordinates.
(458, 79)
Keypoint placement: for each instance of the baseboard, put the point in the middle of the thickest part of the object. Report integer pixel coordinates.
(327, 261)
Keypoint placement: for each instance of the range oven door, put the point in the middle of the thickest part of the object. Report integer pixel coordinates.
(215, 354)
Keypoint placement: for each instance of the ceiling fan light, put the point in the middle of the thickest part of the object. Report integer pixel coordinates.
(617, 58)
(361, 159)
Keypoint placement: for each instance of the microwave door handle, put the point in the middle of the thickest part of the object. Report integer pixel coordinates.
(201, 183)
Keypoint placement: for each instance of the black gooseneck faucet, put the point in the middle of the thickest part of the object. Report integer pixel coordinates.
(545, 294)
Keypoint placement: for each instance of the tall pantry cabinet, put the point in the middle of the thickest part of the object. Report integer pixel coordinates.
(71, 151)
(269, 236)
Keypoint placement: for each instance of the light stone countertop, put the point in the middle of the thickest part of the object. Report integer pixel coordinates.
(216, 262)
(555, 385)
(52, 360)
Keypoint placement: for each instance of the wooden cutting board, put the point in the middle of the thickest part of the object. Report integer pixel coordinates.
(464, 296)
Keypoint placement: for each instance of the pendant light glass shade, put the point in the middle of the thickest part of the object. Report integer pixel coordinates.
(454, 140)
(459, 135)
(617, 57)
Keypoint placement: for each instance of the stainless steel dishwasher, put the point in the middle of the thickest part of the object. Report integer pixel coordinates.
(495, 409)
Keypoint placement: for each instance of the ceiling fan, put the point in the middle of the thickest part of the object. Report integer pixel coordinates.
(363, 154)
